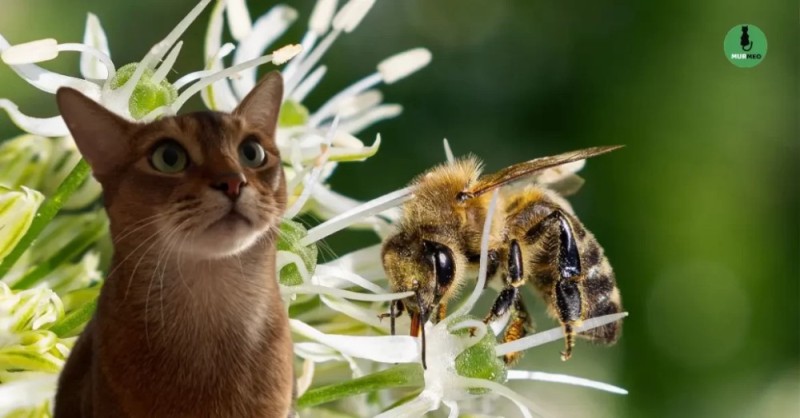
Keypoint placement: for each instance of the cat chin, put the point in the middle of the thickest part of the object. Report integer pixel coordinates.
(222, 241)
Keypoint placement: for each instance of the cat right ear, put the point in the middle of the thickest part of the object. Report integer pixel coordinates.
(101, 135)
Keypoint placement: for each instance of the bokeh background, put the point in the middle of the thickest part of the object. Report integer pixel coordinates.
(699, 213)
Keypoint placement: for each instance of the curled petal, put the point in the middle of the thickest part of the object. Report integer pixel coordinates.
(563, 378)
(49, 81)
(50, 127)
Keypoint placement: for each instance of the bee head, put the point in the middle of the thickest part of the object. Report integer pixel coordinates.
(424, 266)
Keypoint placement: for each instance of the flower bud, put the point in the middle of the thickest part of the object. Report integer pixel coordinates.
(17, 210)
(148, 95)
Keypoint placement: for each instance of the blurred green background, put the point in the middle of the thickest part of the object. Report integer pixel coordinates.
(698, 214)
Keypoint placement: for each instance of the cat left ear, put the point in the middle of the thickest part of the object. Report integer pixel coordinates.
(101, 135)
(263, 104)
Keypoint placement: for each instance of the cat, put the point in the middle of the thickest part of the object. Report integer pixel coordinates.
(745, 41)
(189, 322)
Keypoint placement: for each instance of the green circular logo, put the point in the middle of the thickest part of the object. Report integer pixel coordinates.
(745, 46)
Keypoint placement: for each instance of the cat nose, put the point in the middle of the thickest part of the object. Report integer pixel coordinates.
(231, 184)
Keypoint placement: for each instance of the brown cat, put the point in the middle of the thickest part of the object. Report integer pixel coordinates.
(190, 322)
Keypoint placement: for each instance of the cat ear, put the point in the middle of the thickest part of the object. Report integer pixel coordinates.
(100, 134)
(261, 106)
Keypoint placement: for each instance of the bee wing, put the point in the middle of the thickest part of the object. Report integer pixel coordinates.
(491, 181)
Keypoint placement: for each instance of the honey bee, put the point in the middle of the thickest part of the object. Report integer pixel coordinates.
(535, 238)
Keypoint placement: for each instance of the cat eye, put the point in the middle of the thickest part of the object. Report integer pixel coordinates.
(169, 157)
(251, 153)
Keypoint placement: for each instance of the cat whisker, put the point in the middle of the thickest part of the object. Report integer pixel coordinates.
(141, 224)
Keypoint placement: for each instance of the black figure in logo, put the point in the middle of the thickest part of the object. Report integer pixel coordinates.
(745, 41)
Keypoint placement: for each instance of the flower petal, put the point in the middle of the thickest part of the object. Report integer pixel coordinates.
(50, 127)
(563, 378)
(95, 37)
(555, 334)
(49, 81)
(239, 21)
(344, 220)
(384, 349)
(266, 30)
(370, 117)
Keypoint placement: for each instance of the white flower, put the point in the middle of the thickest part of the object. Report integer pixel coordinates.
(135, 91)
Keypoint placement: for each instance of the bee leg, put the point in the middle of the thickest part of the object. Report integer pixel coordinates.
(568, 295)
(520, 325)
(392, 313)
(505, 300)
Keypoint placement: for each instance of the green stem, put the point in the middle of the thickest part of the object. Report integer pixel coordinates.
(74, 319)
(47, 211)
(404, 375)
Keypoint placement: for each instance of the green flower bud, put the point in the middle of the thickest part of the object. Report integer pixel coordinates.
(291, 234)
(147, 96)
(479, 361)
(292, 114)
(17, 209)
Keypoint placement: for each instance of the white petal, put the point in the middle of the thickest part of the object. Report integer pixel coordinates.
(299, 94)
(370, 208)
(354, 311)
(317, 352)
(555, 334)
(27, 393)
(351, 14)
(324, 290)
(167, 64)
(365, 262)
(479, 285)
(49, 81)
(448, 153)
(425, 402)
(328, 109)
(384, 349)
(337, 277)
(403, 64)
(266, 30)
(31, 52)
(525, 406)
(321, 16)
(359, 103)
(218, 96)
(306, 378)
(213, 38)
(95, 37)
(563, 378)
(219, 75)
(50, 127)
(370, 117)
(238, 19)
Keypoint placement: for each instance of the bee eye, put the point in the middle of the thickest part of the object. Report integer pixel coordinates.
(251, 153)
(443, 264)
(169, 157)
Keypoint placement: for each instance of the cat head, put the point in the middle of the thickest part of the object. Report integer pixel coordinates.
(744, 28)
(208, 184)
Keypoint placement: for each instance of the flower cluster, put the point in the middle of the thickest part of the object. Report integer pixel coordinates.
(50, 276)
